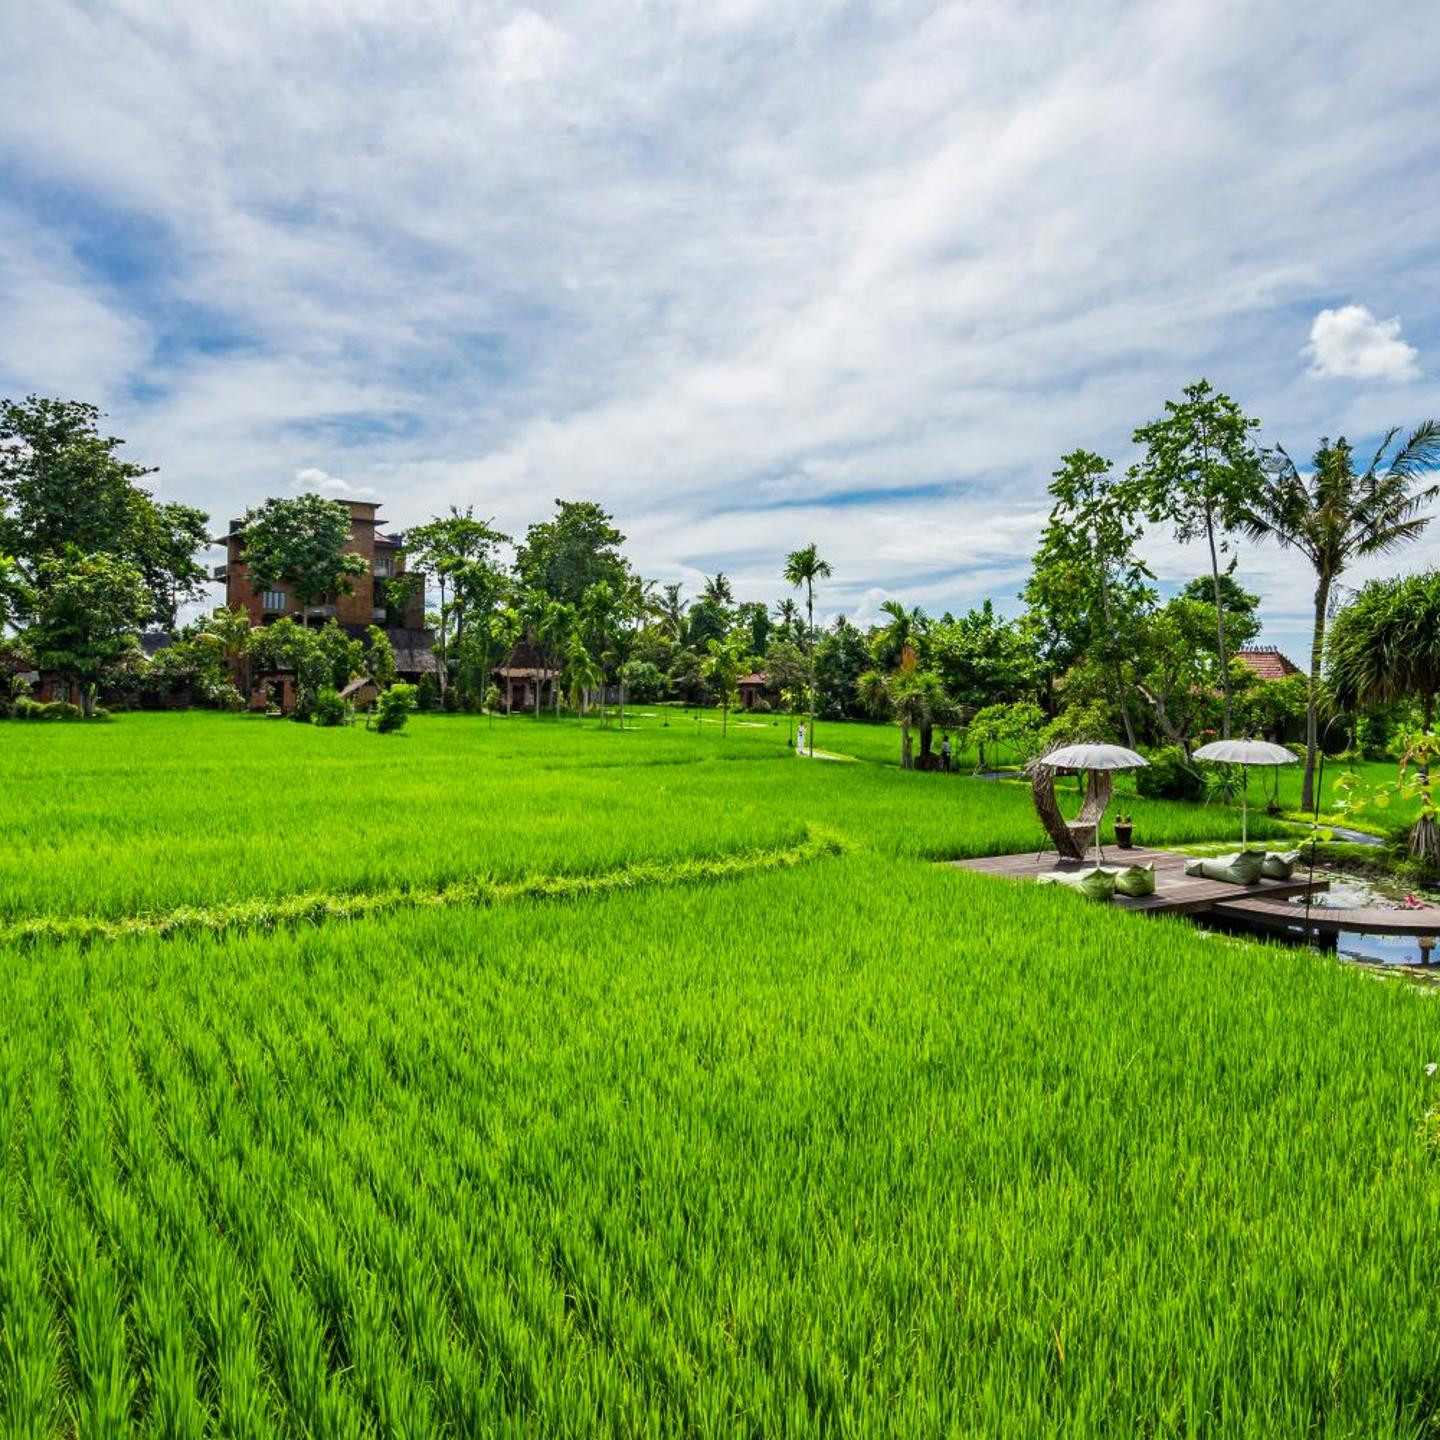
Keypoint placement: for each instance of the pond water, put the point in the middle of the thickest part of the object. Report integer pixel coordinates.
(1349, 891)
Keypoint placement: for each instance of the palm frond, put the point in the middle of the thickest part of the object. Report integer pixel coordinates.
(1421, 452)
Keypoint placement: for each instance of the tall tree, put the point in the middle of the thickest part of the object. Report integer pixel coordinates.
(787, 619)
(718, 590)
(1087, 579)
(901, 630)
(301, 540)
(1200, 469)
(1385, 646)
(670, 610)
(725, 661)
(12, 592)
(459, 552)
(87, 618)
(64, 484)
(169, 538)
(805, 567)
(1337, 514)
(917, 700)
(563, 557)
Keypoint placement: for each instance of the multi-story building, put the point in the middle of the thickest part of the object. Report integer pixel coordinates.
(367, 604)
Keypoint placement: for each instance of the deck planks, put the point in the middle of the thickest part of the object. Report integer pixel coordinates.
(1176, 893)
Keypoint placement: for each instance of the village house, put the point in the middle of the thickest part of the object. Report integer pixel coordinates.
(367, 604)
(753, 690)
(522, 675)
(1268, 663)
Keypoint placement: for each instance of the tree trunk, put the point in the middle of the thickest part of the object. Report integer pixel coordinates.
(87, 701)
(810, 615)
(906, 760)
(1116, 666)
(1425, 837)
(1312, 698)
(444, 663)
(1219, 629)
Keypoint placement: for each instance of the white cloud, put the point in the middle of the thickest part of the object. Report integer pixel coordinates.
(749, 273)
(313, 478)
(1350, 343)
(529, 49)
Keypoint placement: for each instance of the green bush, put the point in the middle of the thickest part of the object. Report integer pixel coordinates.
(24, 708)
(1169, 776)
(393, 708)
(330, 709)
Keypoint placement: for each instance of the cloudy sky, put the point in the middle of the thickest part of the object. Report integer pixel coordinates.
(749, 273)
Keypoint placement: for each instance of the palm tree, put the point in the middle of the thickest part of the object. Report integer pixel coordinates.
(1385, 646)
(805, 567)
(874, 692)
(787, 619)
(918, 700)
(583, 672)
(717, 590)
(1336, 515)
(231, 629)
(904, 630)
(669, 609)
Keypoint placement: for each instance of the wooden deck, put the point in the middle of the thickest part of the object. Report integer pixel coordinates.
(1358, 920)
(1176, 893)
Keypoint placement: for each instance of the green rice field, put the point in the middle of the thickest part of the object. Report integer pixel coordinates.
(536, 1079)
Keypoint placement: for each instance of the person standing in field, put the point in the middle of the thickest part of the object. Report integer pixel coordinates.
(945, 754)
(800, 738)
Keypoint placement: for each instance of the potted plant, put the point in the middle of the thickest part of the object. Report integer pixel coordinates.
(1123, 832)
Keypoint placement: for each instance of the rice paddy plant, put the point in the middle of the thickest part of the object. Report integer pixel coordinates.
(158, 812)
(862, 1147)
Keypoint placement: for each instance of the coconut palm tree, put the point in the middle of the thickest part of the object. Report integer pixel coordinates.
(805, 567)
(787, 619)
(1337, 514)
(917, 700)
(904, 631)
(1385, 646)
(718, 590)
(583, 673)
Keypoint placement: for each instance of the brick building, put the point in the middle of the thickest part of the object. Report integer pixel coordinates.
(365, 606)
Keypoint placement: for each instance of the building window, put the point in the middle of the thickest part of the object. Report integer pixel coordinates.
(384, 567)
(273, 600)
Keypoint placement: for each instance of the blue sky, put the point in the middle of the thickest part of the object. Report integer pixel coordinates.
(751, 274)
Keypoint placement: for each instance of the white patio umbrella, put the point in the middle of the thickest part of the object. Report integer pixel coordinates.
(1089, 756)
(1245, 753)
(1094, 757)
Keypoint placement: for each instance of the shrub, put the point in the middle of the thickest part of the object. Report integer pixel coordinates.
(209, 690)
(1169, 776)
(330, 708)
(393, 708)
(427, 696)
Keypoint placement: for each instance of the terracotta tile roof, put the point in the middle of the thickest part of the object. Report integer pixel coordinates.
(758, 677)
(1268, 663)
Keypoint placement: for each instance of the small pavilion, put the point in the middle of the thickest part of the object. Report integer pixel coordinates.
(523, 675)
